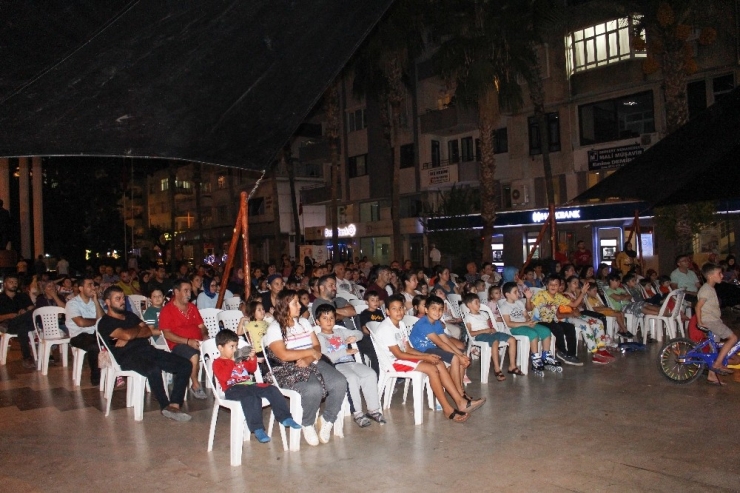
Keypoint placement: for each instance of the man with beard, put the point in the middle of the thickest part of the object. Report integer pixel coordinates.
(82, 313)
(328, 296)
(16, 317)
(127, 336)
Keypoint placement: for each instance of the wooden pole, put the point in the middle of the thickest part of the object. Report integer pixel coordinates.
(639, 239)
(536, 244)
(553, 231)
(230, 258)
(245, 239)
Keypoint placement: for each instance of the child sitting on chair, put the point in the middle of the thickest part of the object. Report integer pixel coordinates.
(335, 341)
(238, 384)
(372, 313)
(516, 315)
(592, 295)
(482, 328)
(708, 315)
(494, 295)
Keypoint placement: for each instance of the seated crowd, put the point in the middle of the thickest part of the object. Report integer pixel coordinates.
(328, 331)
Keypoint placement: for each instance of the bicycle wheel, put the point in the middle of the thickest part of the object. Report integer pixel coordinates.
(672, 369)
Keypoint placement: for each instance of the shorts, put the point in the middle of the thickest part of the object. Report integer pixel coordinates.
(184, 351)
(634, 308)
(405, 364)
(445, 355)
(537, 332)
(491, 338)
(718, 329)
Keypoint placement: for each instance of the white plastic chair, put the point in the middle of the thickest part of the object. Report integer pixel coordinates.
(409, 321)
(346, 295)
(229, 319)
(239, 430)
(135, 386)
(78, 360)
(388, 377)
(670, 319)
(210, 319)
(232, 303)
(5, 344)
(630, 320)
(50, 334)
(139, 304)
(484, 347)
(359, 291)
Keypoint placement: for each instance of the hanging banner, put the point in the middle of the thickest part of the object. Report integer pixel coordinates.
(613, 157)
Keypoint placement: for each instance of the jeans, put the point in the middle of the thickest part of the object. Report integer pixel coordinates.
(565, 336)
(88, 343)
(21, 326)
(311, 394)
(151, 362)
(251, 396)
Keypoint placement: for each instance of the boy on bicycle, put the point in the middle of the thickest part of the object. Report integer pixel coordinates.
(708, 315)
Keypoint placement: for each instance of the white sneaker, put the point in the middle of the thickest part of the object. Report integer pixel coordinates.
(325, 432)
(309, 433)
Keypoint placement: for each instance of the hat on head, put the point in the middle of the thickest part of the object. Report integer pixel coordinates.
(273, 277)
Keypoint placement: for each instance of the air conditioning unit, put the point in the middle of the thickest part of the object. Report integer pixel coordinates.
(519, 193)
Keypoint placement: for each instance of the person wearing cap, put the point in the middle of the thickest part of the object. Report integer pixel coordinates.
(275, 284)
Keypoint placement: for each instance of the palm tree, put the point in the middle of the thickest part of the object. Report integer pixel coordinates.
(333, 124)
(485, 46)
(382, 71)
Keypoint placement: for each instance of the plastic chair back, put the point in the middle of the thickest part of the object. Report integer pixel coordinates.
(210, 319)
(48, 316)
(232, 303)
(229, 319)
(139, 304)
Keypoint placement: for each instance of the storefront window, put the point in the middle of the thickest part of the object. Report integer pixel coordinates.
(377, 249)
(529, 242)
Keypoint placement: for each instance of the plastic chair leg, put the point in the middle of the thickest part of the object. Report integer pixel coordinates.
(296, 410)
(214, 419)
(4, 342)
(138, 397)
(237, 436)
(418, 391)
(64, 349)
(485, 363)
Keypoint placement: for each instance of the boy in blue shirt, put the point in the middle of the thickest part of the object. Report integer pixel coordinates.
(428, 336)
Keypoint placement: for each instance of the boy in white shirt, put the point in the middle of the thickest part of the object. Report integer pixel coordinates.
(482, 328)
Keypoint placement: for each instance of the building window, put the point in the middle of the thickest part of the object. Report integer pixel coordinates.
(205, 187)
(435, 154)
(408, 156)
(183, 184)
(722, 85)
(468, 152)
(477, 150)
(501, 141)
(369, 212)
(164, 184)
(453, 151)
(221, 182)
(222, 213)
(358, 166)
(553, 134)
(410, 207)
(696, 93)
(256, 206)
(601, 44)
(616, 119)
(356, 120)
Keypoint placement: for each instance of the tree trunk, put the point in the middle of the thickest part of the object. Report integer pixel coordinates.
(172, 178)
(293, 204)
(332, 132)
(396, 186)
(197, 179)
(276, 248)
(487, 118)
(537, 96)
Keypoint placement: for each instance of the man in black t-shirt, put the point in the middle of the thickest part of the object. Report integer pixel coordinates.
(127, 336)
(16, 316)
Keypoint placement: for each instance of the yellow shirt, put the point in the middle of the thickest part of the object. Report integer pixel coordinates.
(547, 305)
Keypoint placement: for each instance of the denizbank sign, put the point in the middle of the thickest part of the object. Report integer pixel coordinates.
(566, 215)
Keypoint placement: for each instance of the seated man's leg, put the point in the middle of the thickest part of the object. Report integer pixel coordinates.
(89, 344)
(181, 370)
(21, 326)
(192, 354)
(144, 363)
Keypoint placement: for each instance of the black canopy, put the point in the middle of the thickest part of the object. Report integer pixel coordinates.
(698, 162)
(214, 81)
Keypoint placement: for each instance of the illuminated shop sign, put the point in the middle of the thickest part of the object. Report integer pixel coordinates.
(347, 232)
(570, 214)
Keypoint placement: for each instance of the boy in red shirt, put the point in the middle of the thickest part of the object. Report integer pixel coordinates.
(238, 384)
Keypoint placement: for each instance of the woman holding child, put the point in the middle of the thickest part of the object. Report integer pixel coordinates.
(295, 355)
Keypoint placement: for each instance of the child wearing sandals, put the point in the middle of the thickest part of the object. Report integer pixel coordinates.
(390, 337)
(515, 313)
(238, 384)
(482, 328)
(335, 341)
(708, 315)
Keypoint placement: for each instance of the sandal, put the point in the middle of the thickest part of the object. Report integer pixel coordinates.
(472, 406)
(721, 371)
(467, 397)
(458, 416)
(500, 376)
(516, 371)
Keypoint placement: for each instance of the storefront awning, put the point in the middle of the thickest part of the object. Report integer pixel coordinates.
(698, 162)
(211, 81)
